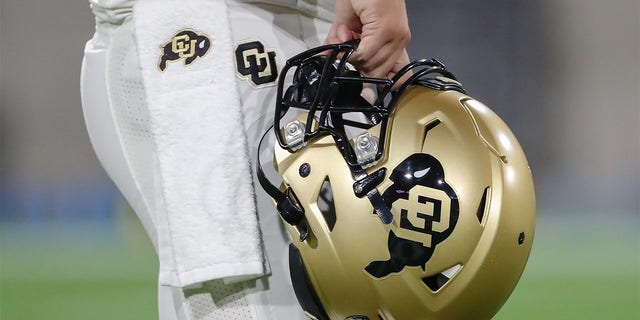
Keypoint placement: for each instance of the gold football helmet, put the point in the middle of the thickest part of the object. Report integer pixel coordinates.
(419, 205)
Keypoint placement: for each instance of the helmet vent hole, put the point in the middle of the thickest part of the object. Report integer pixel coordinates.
(482, 207)
(326, 204)
(430, 125)
(437, 281)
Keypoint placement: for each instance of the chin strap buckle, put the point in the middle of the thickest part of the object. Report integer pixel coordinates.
(292, 212)
(366, 186)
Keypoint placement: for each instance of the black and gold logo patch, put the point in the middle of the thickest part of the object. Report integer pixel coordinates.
(426, 208)
(256, 64)
(186, 44)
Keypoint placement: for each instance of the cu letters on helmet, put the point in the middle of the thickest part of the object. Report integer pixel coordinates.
(417, 204)
(425, 209)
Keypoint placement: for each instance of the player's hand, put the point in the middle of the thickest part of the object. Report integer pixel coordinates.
(383, 29)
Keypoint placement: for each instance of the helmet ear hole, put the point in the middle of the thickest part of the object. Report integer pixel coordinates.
(305, 293)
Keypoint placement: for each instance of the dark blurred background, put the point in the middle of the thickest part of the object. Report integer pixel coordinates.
(563, 74)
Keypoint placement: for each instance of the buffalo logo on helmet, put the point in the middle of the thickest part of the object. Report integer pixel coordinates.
(186, 44)
(426, 210)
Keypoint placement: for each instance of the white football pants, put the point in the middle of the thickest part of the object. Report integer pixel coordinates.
(118, 124)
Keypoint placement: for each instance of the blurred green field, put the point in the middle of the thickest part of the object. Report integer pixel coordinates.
(579, 269)
(80, 271)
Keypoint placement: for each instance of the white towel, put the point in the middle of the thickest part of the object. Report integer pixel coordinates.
(207, 222)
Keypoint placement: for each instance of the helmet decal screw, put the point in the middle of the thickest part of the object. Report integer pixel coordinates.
(304, 170)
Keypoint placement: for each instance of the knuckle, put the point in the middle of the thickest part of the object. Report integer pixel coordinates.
(403, 33)
(407, 36)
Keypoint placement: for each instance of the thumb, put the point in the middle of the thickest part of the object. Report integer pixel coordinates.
(344, 33)
(339, 33)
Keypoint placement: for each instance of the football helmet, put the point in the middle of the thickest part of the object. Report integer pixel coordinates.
(416, 205)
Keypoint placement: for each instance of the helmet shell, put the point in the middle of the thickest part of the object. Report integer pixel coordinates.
(462, 196)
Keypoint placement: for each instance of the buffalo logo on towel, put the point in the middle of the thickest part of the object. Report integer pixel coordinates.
(186, 44)
(425, 210)
(256, 64)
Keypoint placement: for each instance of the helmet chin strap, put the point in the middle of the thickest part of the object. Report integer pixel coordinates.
(287, 204)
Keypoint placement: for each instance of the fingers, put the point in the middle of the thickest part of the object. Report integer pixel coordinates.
(385, 35)
(402, 61)
(382, 26)
(345, 34)
(379, 61)
(332, 36)
(344, 17)
(338, 34)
